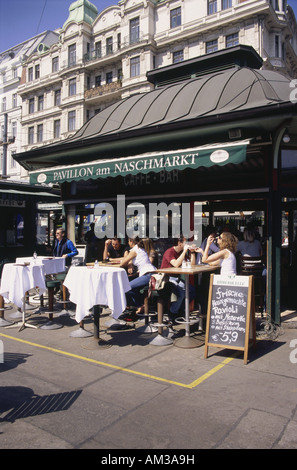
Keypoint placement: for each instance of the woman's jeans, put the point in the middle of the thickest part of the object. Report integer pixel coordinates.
(178, 288)
(134, 296)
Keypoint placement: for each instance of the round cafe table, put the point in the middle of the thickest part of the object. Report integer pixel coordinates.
(16, 280)
(187, 341)
(94, 287)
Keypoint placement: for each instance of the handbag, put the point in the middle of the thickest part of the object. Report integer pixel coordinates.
(158, 281)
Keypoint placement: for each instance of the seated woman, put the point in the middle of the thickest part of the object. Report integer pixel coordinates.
(225, 256)
(140, 259)
(249, 246)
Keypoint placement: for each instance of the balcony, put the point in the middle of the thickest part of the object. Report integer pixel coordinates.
(103, 90)
(113, 49)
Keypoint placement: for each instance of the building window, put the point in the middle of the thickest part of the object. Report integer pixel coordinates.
(40, 103)
(175, 17)
(55, 64)
(108, 46)
(37, 71)
(109, 77)
(211, 46)
(14, 129)
(14, 100)
(3, 104)
(71, 121)
(177, 56)
(72, 86)
(31, 135)
(98, 80)
(30, 74)
(226, 4)
(276, 46)
(40, 133)
(232, 40)
(57, 128)
(120, 74)
(135, 66)
(98, 49)
(12, 160)
(31, 105)
(212, 7)
(119, 41)
(72, 55)
(57, 97)
(134, 30)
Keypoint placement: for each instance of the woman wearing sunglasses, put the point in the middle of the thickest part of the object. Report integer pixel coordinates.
(225, 257)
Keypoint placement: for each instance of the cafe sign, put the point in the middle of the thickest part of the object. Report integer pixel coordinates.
(145, 163)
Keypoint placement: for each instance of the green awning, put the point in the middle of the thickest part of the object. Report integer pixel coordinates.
(206, 156)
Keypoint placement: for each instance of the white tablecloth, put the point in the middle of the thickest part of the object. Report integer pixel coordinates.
(51, 265)
(90, 286)
(17, 280)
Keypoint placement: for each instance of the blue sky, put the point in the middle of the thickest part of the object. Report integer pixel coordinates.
(23, 19)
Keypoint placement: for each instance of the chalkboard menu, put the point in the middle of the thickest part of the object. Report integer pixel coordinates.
(230, 312)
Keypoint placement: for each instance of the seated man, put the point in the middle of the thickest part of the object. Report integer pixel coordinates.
(64, 247)
(173, 257)
(113, 249)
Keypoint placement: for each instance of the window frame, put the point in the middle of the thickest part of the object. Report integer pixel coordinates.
(175, 17)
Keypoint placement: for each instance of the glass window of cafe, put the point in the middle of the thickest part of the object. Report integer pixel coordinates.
(162, 221)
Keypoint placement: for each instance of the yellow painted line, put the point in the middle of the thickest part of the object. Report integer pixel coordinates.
(130, 371)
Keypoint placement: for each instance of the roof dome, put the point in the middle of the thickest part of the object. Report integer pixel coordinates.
(81, 10)
(212, 94)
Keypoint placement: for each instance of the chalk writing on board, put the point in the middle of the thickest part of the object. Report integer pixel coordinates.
(228, 313)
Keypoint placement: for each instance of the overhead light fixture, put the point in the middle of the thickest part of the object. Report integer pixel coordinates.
(286, 137)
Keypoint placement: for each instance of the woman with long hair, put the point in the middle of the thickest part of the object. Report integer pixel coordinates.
(140, 258)
(225, 256)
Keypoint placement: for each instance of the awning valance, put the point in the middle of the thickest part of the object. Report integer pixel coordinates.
(206, 156)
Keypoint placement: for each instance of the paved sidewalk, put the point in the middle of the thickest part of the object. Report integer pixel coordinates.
(64, 392)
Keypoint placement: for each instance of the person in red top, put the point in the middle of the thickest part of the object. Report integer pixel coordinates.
(173, 257)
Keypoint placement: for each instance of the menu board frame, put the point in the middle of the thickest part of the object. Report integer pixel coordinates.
(231, 320)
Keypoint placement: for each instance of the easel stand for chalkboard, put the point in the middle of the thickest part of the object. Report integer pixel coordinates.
(231, 320)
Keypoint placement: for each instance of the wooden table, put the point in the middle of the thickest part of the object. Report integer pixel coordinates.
(187, 341)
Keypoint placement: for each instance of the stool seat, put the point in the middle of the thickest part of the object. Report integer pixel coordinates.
(61, 276)
(52, 284)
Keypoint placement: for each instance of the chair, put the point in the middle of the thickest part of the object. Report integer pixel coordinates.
(80, 258)
(253, 266)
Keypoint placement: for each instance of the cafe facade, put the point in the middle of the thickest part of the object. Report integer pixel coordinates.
(26, 211)
(215, 139)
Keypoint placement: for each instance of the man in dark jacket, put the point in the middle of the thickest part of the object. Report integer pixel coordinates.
(64, 247)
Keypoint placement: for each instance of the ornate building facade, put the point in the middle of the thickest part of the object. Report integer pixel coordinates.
(97, 58)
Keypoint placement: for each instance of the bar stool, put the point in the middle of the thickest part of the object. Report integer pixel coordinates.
(160, 339)
(147, 327)
(50, 325)
(61, 278)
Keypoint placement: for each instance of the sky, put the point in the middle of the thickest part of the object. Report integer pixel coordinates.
(23, 19)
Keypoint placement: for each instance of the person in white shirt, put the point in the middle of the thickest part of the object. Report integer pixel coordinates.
(226, 256)
(140, 259)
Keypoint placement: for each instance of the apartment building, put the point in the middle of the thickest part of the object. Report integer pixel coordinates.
(97, 58)
(11, 70)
